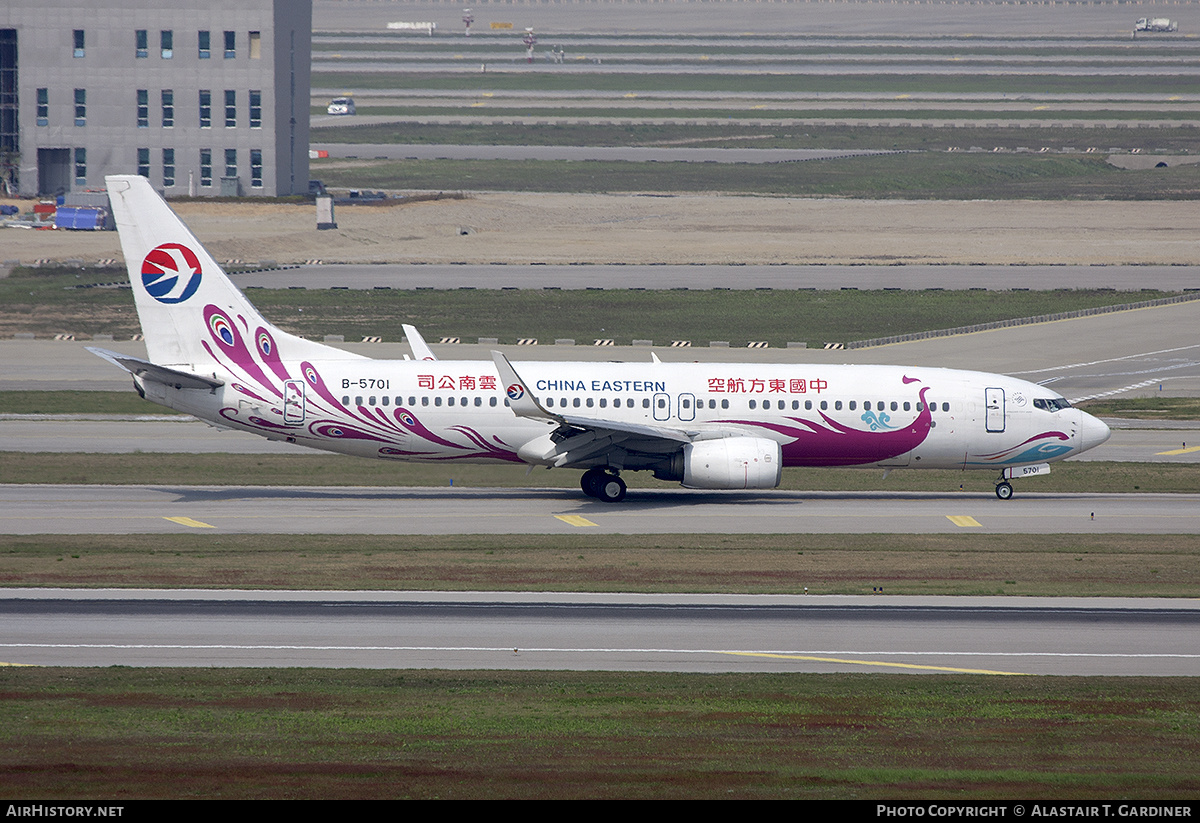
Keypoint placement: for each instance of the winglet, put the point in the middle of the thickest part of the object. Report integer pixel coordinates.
(520, 399)
(420, 348)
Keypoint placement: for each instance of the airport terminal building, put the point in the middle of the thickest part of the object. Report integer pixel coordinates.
(203, 97)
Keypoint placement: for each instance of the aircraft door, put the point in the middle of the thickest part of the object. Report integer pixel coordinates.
(293, 402)
(662, 406)
(994, 410)
(687, 406)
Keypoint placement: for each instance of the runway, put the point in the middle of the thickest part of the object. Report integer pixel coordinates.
(690, 633)
(173, 509)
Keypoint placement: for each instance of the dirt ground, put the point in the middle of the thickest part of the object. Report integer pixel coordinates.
(567, 228)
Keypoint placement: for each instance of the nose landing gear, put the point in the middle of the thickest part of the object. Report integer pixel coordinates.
(1004, 489)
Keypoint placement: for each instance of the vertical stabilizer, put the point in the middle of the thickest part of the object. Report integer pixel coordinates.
(183, 297)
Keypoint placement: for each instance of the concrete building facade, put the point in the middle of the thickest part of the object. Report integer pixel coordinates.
(203, 97)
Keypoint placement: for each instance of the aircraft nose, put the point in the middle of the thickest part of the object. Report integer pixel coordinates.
(1092, 432)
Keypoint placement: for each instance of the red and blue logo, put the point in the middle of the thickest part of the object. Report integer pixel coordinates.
(516, 391)
(171, 273)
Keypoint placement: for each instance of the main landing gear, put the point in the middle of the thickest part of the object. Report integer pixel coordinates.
(603, 484)
(1004, 489)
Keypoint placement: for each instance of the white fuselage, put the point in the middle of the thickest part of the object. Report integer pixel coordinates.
(821, 415)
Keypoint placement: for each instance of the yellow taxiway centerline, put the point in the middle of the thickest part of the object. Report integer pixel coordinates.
(574, 520)
(187, 521)
(1188, 450)
(877, 663)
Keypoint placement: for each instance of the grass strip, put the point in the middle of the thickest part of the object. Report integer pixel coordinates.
(226, 470)
(42, 302)
(1102, 565)
(71, 733)
(748, 135)
(921, 176)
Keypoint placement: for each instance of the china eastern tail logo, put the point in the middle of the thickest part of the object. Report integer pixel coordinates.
(171, 273)
(516, 391)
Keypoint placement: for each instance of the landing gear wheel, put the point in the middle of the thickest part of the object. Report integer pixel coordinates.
(591, 480)
(611, 489)
(1004, 491)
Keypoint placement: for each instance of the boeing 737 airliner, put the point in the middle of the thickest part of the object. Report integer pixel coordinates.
(708, 426)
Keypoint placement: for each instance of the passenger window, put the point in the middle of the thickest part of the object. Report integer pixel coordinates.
(384, 400)
(575, 402)
(808, 405)
(478, 401)
(853, 405)
(645, 402)
(549, 402)
(345, 400)
(425, 401)
(437, 401)
(358, 400)
(491, 401)
(837, 405)
(824, 405)
(589, 402)
(752, 404)
(724, 403)
(449, 401)
(895, 406)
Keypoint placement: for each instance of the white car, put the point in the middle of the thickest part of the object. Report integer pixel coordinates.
(341, 105)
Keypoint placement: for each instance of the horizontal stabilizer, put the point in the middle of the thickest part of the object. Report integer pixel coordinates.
(159, 374)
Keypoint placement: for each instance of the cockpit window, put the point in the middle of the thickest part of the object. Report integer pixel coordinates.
(1052, 404)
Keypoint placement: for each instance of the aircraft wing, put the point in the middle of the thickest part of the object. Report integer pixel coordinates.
(578, 439)
(159, 374)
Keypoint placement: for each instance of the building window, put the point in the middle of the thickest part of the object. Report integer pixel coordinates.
(78, 43)
(167, 41)
(144, 162)
(43, 107)
(141, 43)
(205, 167)
(205, 45)
(168, 108)
(80, 107)
(230, 42)
(231, 163)
(255, 109)
(255, 45)
(205, 109)
(256, 168)
(80, 167)
(168, 167)
(143, 109)
(230, 109)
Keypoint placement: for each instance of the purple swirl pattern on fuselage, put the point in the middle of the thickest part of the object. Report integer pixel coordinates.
(229, 340)
(261, 372)
(1036, 437)
(264, 344)
(836, 444)
(488, 450)
(408, 420)
(1046, 449)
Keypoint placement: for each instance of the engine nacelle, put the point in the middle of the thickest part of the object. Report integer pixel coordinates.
(732, 463)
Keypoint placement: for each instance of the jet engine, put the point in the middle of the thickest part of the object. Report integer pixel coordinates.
(727, 463)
